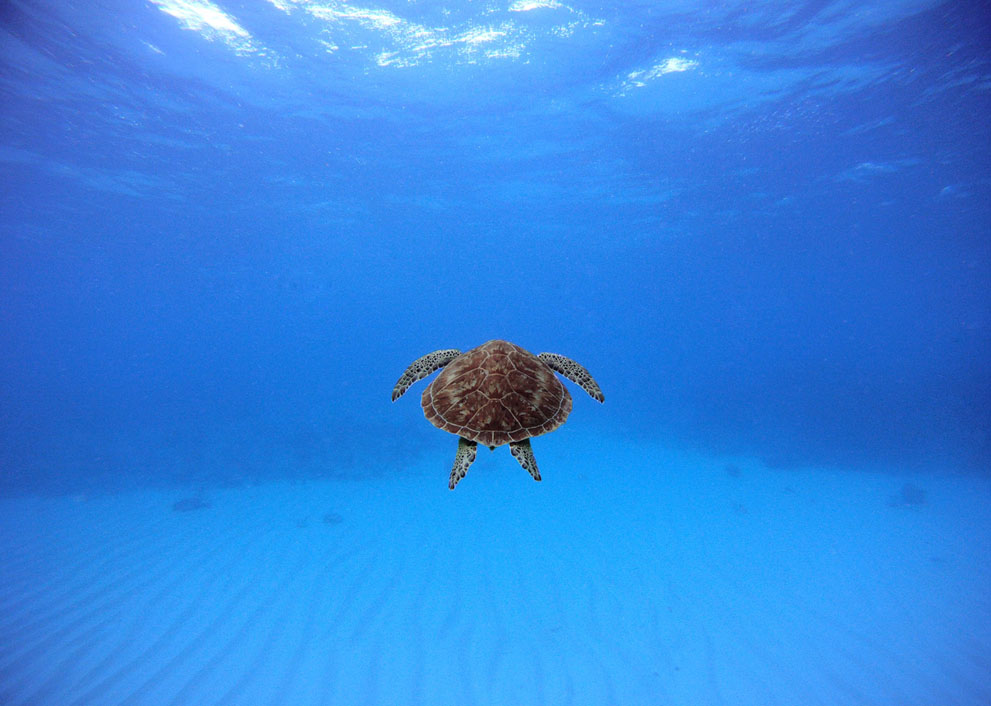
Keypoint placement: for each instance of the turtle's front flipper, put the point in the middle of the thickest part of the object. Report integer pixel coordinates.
(421, 367)
(574, 372)
(523, 452)
(463, 460)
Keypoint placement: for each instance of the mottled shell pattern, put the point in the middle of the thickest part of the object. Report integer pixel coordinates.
(495, 394)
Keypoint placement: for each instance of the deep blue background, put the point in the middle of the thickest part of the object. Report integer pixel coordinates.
(216, 257)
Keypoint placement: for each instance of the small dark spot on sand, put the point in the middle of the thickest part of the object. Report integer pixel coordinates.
(189, 504)
(332, 518)
(909, 496)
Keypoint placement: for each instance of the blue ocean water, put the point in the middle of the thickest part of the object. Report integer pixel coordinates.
(226, 230)
(227, 227)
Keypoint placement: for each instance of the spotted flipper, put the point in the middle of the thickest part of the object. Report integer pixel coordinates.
(421, 367)
(523, 452)
(462, 461)
(574, 372)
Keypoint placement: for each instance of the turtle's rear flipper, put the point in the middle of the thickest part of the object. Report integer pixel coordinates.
(462, 461)
(523, 452)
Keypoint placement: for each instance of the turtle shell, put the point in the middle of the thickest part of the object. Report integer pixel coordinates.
(495, 394)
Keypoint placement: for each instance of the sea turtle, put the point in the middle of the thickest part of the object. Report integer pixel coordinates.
(496, 394)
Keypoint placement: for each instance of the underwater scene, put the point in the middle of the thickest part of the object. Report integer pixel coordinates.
(300, 299)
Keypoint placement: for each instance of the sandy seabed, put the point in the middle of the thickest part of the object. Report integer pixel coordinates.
(630, 575)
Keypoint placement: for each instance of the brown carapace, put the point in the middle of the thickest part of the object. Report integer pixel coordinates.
(496, 394)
